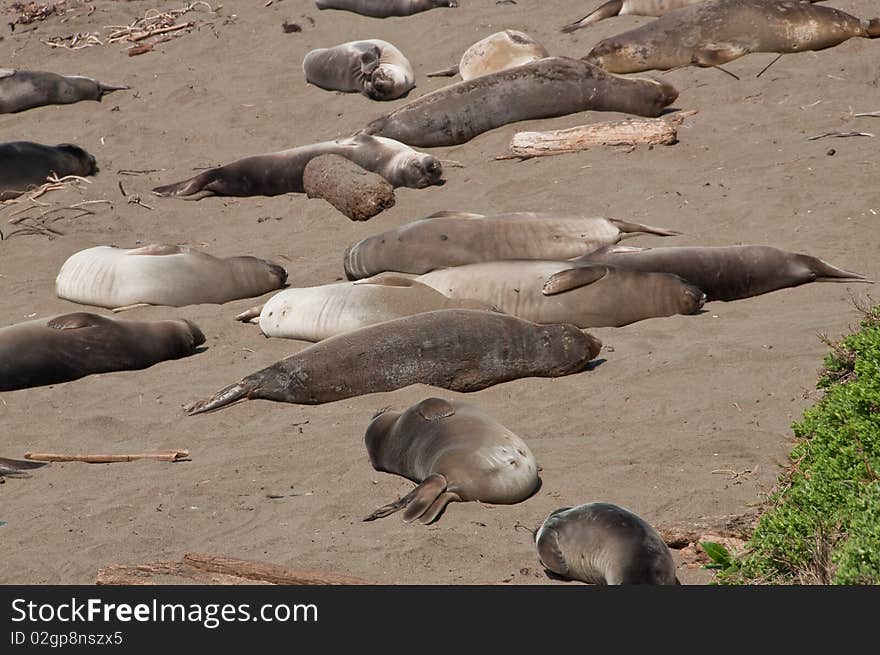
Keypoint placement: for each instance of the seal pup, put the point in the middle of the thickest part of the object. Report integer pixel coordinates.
(25, 165)
(456, 349)
(318, 313)
(718, 31)
(454, 452)
(71, 346)
(727, 272)
(452, 238)
(372, 67)
(20, 90)
(604, 544)
(553, 86)
(592, 295)
(160, 274)
(281, 172)
(497, 52)
(385, 8)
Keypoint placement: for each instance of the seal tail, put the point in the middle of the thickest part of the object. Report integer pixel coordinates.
(187, 187)
(426, 502)
(104, 89)
(634, 229)
(607, 10)
(231, 394)
(445, 72)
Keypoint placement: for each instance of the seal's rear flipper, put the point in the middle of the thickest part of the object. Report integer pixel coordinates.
(607, 10)
(634, 229)
(104, 89)
(227, 396)
(188, 187)
(251, 315)
(573, 278)
(17, 467)
(436, 509)
(445, 72)
(825, 272)
(416, 502)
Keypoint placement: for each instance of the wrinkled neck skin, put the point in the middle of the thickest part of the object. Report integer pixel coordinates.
(380, 448)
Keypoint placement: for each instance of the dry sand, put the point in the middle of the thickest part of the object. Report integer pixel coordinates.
(675, 400)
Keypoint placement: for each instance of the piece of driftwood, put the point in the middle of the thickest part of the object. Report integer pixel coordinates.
(629, 132)
(679, 535)
(174, 455)
(201, 568)
(357, 193)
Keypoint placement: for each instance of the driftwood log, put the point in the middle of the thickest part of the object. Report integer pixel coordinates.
(161, 455)
(630, 132)
(358, 193)
(200, 568)
(679, 535)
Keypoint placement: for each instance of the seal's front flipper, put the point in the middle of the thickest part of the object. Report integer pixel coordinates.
(370, 60)
(251, 315)
(445, 72)
(435, 409)
(445, 213)
(635, 229)
(573, 278)
(714, 56)
(436, 509)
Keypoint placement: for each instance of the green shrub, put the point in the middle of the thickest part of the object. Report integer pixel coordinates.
(823, 525)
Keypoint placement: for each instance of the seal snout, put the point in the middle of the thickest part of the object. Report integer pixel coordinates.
(695, 296)
(198, 336)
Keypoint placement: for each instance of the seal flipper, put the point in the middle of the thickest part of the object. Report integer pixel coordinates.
(75, 321)
(445, 213)
(232, 393)
(435, 409)
(251, 315)
(572, 278)
(104, 89)
(607, 10)
(188, 187)
(416, 502)
(6, 72)
(634, 229)
(452, 71)
(370, 60)
(714, 56)
(388, 280)
(436, 509)
(18, 467)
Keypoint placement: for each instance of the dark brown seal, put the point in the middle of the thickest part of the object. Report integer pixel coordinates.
(25, 165)
(555, 86)
(456, 349)
(72, 346)
(453, 451)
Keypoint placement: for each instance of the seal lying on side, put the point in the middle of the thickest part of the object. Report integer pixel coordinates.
(454, 452)
(604, 544)
(68, 347)
(318, 313)
(496, 52)
(163, 275)
(629, 8)
(24, 165)
(20, 90)
(456, 349)
(554, 86)
(727, 272)
(717, 31)
(450, 238)
(384, 8)
(282, 172)
(372, 67)
(562, 292)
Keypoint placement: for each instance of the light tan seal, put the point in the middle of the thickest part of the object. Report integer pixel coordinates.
(21, 90)
(318, 313)
(68, 347)
(372, 67)
(456, 349)
(603, 544)
(564, 292)
(454, 452)
(453, 238)
(160, 274)
(717, 31)
(497, 52)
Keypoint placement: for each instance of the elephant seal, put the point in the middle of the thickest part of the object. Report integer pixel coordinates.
(452, 238)
(717, 31)
(20, 90)
(318, 313)
(562, 292)
(496, 52)
(456, 349)
(372, 67)
(554, 86)
(727, 272)
(24, 165)
(160, 274)
(629, 8)
(282, 172)
(384, 8)
(604, 544)
(454, 452)
(17, 468)
(68, 347)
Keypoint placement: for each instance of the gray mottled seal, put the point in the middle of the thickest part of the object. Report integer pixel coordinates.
(160, 274)
(318, 313)
(604, 544)
(497, 52)
(554, 86)
(717, 31)
(456, 349)
(20, 90)
(372, 67)
(68, 347)
(562, 292)
(15, 468)
(282, 172)
(385, 8)
(451, 238)
(727, 272)
(453, 451)
(25, 165)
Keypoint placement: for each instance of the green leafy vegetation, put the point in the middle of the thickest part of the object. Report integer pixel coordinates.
(823, 525)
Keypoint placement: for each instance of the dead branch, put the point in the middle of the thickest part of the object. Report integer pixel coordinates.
(173, 455)
(679, 535)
